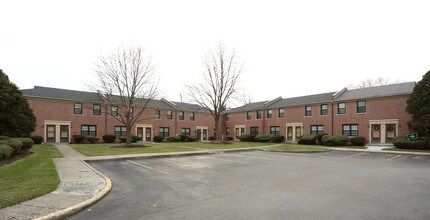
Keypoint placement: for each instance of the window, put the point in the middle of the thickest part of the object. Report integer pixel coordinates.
(308, 110)
(341, 108)
(274, 130)
(97, 109)
(169, 114)
(192, 116)
(227, 131)
(90, 130)
(186, 131)
(324, 109)
(259, 114)
(269, 113)
(248, 115)
(114, 111)
(78, 109)
(254, 130)
(350, 129)
(317, 129)
(361, 106)
(181, 116)
(227, 117)
(281, 113)
(164, 132)
(157, 114)
(120, 131)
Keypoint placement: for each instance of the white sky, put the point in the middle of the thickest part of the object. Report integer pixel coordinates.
(289, 48)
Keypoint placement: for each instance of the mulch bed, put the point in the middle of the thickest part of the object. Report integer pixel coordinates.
(15, 157)
(219, 142)
(129, 146)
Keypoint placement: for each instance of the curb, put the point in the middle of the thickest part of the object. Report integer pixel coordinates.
(143, 156)
(80, 206)
(293, 152)
(380, 151)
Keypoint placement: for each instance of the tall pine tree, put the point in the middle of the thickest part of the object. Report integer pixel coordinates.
(419, 107)
(16, 116)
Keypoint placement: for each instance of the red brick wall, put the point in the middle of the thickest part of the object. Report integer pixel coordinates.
(376, 109)
(63, 110)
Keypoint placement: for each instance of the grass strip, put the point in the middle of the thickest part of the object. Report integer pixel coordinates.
(295, 148)
(29, 177)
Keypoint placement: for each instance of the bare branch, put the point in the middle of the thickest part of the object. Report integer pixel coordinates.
(125, 79)
(222, 71)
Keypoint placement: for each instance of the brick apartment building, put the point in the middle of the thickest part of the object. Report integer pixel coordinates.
(377, 113)
(61, 113)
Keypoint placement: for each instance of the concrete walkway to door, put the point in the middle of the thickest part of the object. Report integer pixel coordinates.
(80, 187)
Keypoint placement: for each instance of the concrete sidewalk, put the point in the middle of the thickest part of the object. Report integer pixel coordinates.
(80, 184)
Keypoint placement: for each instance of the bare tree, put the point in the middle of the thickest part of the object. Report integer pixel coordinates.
(126, 84)
(221, 74)
(372, 83)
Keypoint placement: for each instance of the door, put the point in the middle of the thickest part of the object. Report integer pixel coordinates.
(199, 134)
(50, 133)
(205, 135)
(64, 133)
(298, 133)
(148, 134)
(140, 132)
(289, 133)
(390, 133)
(376, 133)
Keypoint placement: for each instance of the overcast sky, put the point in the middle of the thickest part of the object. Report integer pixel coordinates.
(289, 48)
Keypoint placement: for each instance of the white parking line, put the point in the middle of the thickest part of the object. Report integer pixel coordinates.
(392, 158)
(227, 160)
(355, 154)
(141, 165)
(191, 164)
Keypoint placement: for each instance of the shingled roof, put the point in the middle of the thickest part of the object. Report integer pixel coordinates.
(343, 95)
(82, 96)
(377, 91)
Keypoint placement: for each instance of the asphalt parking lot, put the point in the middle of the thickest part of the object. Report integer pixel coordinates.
(266, 185)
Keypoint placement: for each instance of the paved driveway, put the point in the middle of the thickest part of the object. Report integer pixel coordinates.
(265, 185)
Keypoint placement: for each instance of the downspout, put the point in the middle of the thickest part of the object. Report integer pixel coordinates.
(176, 122)
(264, 120)
(106, 113)
(332, 117)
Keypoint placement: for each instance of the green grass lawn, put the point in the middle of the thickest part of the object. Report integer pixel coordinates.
(295, 148)
(352, 147)
(107, 149)
(29, 177)
(205, 145)
(407, 150)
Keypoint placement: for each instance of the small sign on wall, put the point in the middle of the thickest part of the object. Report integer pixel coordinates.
(413, 136)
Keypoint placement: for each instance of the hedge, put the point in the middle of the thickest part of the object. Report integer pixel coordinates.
(278, 138)
(37, 139)
(263, 137)
(13, 143)
(5, 151)
(91, 139)
(404, 143)
(2, 137)
(358, 141)
(308, 139)
(27, 143)
(109, 138)
(135, 138)
(175, 138)
(158, 138)
(335, 140)
(247, 138)
(319, 137)
(78, 138)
